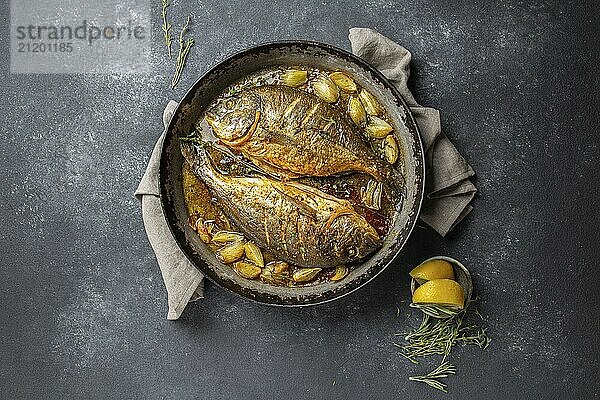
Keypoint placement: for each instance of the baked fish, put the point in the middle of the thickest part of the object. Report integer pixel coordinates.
(292, 133)
(299, 223)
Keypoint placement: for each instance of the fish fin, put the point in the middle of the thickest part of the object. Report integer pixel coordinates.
(280, 138)
(395, 186)
(304, 208)
(336, 142)
(314, 191)
(268, 168)
(197, 157)
(338, 213)
(189, 151)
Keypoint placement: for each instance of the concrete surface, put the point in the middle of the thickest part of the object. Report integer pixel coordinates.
(81, 300)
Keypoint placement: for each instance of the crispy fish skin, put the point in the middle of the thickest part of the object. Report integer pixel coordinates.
(300, 224)
(293, 133)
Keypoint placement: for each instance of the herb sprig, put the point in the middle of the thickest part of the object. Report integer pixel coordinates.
(166, 27)
(433, 378)
(184, 50)
(438, 338)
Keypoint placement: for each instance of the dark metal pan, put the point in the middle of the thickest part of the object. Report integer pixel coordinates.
(233, 69)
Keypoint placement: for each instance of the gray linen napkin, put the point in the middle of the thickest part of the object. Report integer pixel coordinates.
(183, 281)
(448, 188)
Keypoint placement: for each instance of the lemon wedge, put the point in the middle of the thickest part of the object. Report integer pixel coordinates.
(433, 269)
(444, 292)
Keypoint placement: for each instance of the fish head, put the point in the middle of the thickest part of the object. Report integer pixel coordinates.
(353, 238)
(231, 118)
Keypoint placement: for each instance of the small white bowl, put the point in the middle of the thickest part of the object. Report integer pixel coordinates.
(461, 275)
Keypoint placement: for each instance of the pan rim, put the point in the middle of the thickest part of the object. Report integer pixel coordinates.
(331, 295)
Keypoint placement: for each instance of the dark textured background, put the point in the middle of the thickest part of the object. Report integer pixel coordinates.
(81, 300)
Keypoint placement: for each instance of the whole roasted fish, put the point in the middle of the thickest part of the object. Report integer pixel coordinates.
(299, 223)
(293, 133)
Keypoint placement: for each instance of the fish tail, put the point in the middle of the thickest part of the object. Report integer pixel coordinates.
(395, 186)
(197, 157)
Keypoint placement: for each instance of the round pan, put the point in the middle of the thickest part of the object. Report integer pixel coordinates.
(236, 67)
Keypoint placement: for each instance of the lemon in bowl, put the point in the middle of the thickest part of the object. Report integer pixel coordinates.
(432, 269)
(441, 287)
(443, 292)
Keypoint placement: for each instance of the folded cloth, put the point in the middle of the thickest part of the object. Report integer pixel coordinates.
(182, 279)
(448, 190)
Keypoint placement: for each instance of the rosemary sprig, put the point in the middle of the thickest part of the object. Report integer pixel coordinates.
(479, 338)
(438, 338)
(184, 50)
(166, 27)
(433, 378)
